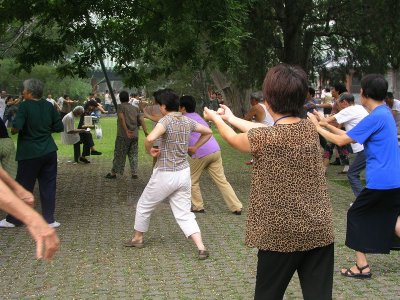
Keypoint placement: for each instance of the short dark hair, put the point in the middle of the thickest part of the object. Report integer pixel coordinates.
(374, 86)
(327, 89)
(389, 95)
(188, 102)
(285, 89)
(123, 96)
(346, 96)
(340, 87)
(91, 103)
(311, 91)
(168, 98)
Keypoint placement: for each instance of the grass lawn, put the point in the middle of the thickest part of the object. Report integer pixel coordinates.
(106, 143)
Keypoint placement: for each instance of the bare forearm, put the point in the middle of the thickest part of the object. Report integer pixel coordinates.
(10, 182)
(337, 139)
(243, 125)
(202, 140)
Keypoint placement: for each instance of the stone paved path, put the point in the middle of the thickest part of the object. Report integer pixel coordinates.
(97, 217)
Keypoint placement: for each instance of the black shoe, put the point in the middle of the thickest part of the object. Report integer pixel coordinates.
(335, 163)
(202, 211)
(95, 152)
(110, 176)
(84, 160)
(237, 212)
(134, 176)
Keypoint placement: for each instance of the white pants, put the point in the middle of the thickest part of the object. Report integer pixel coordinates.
(174, 186)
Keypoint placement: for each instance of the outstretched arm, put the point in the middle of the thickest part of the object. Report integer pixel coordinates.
(238, 141)
(337, 136)
(47, 242)
(243, 125)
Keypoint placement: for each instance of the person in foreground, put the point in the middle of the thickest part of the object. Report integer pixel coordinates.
(171, 175)
(35, 122)
(17, 201)
(290, 215)
(374, 216)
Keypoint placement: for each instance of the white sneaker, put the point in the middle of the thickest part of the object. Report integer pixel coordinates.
(5, 224)
(55, 224)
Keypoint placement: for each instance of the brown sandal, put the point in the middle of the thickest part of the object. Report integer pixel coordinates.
(203, 254)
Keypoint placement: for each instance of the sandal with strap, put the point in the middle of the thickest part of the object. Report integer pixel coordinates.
(361, 275)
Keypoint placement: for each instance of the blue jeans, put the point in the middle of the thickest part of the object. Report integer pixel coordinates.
(354, 173)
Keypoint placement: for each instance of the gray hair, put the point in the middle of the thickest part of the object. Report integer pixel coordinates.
(346, 96)
(78, 108)
(257, 96)
(34, 86)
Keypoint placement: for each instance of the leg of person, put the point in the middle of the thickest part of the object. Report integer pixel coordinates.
(344, 158)
(353, 174)
(180, 202)
(316, 273)
(397, 228)
(7, 154)
(133, 156)
(87, 141)
(77, 151)
(27, 173)
(157, 189)
(197, 166)
(274, 271)
(120, 151)
(47, 178)
(216, 171)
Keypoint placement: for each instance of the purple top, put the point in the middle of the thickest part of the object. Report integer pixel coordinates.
(210, 146)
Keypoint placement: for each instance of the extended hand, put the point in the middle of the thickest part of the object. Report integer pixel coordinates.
(192, 150)
(155, 152)
(47, 242)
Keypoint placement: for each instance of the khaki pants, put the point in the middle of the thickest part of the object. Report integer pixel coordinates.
(213, 164)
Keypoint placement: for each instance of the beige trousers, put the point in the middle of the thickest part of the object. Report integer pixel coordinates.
(213, 164)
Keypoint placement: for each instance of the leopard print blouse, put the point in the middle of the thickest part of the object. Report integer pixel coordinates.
(289, 208)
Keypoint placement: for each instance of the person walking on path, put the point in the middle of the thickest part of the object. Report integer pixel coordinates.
(374, 216)
(171, 175)
(207, 157)
(289, 217)
(35, 121)
(126, 142)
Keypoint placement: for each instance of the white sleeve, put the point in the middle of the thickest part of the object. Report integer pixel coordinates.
(343, 116)
(396, 105)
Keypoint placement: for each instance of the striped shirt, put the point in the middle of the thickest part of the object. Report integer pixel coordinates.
(174, 142)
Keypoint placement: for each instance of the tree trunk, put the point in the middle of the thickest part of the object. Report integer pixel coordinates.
(237, 99)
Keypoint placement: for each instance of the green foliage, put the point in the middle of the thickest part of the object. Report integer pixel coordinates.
(11, 80)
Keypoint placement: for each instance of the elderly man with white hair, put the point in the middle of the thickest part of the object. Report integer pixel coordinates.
(70, 135)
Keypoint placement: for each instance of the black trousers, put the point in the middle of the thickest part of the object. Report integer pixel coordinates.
(44, 169)
(77, 151)
(87, 141)
(276, 269)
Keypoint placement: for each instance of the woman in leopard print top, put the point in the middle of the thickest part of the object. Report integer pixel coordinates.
(290, 215)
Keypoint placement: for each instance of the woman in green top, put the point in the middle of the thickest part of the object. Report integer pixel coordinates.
(35, 121)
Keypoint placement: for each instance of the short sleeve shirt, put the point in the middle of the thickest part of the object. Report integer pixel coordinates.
(69, 124)
(350, 117)
(378, 133)
(36, 121)
(132, 120)
(174, 142)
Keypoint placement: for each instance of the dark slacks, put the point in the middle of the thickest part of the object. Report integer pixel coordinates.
(87, 141)
(44, 169)
(77, 151)
(276, 269)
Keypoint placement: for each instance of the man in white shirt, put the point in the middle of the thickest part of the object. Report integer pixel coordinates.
(70, 135)
(350, 115)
